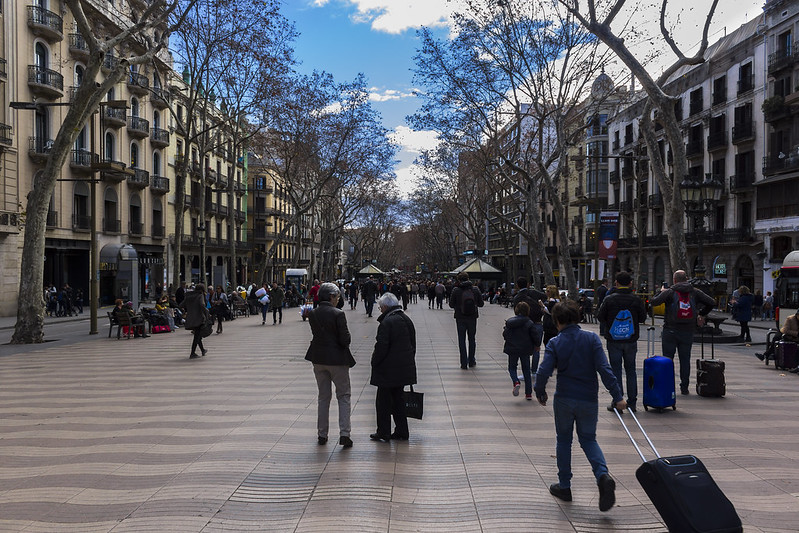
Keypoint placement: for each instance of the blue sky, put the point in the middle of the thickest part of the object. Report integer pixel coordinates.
(378, 38)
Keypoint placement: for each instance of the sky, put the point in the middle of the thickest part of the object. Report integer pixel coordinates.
(379, 39)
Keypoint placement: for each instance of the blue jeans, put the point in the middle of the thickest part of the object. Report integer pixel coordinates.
(513, 370)
(681, 342)
(369, 304)
(625, 352)
(466, 326)
(583, 413)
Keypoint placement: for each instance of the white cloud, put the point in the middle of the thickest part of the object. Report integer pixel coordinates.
(392, 16)
(384, 95)
(407, 179)
(414, 141)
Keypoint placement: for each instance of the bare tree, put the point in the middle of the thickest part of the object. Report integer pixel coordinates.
(598, 17)
(138, 40)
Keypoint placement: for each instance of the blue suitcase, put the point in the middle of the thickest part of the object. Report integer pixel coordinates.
(659, 390)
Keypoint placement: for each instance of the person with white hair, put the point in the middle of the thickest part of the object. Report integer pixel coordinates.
(332, 359)
(393, 367)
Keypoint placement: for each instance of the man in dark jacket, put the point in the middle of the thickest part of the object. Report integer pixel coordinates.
(368, 293)
(466, 317)
(678, 332)
(619, 316)
(331, 357)
(196, 318)
(393, 367)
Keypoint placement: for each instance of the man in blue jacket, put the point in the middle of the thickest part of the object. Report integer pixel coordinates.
(578, 356)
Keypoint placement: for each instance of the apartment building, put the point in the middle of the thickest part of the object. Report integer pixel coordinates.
(719, 103)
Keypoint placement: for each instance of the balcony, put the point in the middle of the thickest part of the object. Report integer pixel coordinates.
(222, 181)
(159, 137)
(191, 241)
(140, 178)
(135, 229)
(138, 83)
(191, 202)
(115, 117)
(160, 98)
(261, 234)
(111, 225)
(625, 206)
(717, 140)
(110, 62)
(113, 171)
(157, 231)
(695, 107)
(52, 219)
(39, 148)
(45, 24)
(81, 223)
(777, 112)
(613, 177)
(81, 160)
(746, 84)
(627, 171)
(694, 148)
(240, 188)
(575, 250)
(779, 165)
(78, 47)
(210, 208)
(45, 82)
(239, 214)
(779, 60)
(138, 127)
(719, 97)
(159, 185)
(210, 176)
(743, 132)
(655, 201)
(223, 210)
(742, 182)
(5, 134)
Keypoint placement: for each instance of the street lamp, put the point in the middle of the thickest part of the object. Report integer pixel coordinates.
(201, 234)
(700, 199)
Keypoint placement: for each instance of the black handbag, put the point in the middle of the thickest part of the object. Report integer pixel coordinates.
(414, 403)
(207, 328)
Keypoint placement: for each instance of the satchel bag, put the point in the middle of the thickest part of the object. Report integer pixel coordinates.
(207, 328)
(414, 403)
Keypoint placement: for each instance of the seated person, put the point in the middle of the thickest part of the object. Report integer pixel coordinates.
(788, 332)
(136, 321)
(163, 308)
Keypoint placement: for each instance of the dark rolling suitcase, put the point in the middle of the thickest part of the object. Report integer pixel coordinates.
(710, 373)
(785, 355)
(683, 492)
(659, 391)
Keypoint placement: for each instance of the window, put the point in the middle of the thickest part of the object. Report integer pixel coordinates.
(697, 102)
(110, 149)
(157, 164)
(746, 80)
(134, 107)
(156, 119)
(720, 90)
(134, 155)
(41, 56)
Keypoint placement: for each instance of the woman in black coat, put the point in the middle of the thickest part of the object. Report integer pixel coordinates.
(196, 317)
(393, 367)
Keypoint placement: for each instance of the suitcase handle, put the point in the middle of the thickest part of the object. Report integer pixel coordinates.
(626, 430)
(650, 341)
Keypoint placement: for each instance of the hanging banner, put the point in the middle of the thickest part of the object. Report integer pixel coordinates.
(608, 234)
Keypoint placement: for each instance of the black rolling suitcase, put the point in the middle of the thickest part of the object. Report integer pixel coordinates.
(683, 491)
(710, 373)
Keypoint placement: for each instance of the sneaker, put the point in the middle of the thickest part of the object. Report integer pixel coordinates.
(528, 397)
(516, 387)
(560, 493)
(607, 492)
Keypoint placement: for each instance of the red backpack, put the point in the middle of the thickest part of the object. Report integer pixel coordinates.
(685, 308)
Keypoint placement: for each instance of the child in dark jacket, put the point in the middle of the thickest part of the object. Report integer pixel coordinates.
(520, 338)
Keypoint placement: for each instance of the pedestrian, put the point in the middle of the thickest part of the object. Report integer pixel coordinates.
(353, 294)
(686, 307)
(196, 317)
(393, 367)
(520, 337)
(276, 297)
(534, 299)
(180, 293)
(314, 293)
(431, 294)
(743, 312)
(263, 300)
(368, 294)
(466, 300)
(219, 307)
(331, 357)
(757, 305)
(548, 325)
(768, 306)
(600, 294)
(440, 291)
(578, 357)
(619, 317)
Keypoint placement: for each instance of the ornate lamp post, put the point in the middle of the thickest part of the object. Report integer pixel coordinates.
(700, 199)
(201, 234)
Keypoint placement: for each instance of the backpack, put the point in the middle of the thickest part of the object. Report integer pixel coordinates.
(685, 308)
(623, 326)
(468, 305)
(536, 313)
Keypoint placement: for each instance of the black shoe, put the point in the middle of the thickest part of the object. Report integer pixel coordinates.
(684, 391)
(395, 436)
(463, 367)
(760, 356)
(193, 356)
(378, 437)
(631, 407)
(560, 493)
(472, 363)
(794, 370)
(321, 440)
(607, 492)
(204, 352)
(346, 442)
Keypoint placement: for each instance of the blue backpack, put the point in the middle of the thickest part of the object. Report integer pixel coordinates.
(623, 326)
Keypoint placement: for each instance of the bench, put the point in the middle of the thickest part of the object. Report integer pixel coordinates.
(123, 320)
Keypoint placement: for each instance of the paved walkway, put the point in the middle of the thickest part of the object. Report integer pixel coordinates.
(131, 435)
